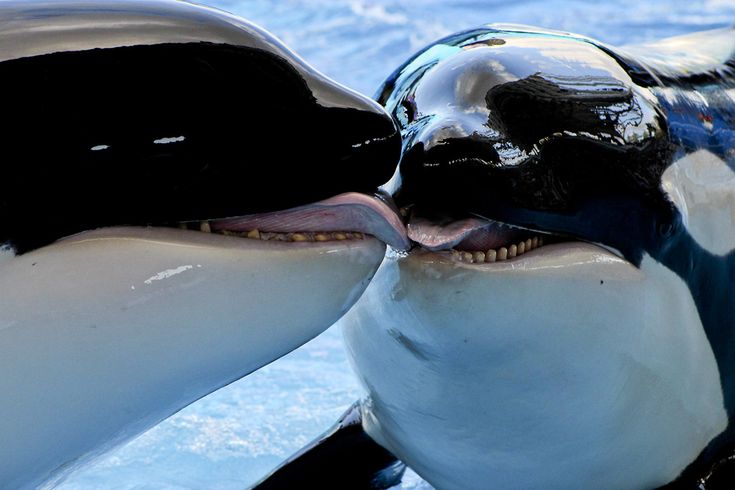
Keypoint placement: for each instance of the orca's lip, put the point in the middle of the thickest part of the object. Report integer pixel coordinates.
(476, 240)
(342, 217)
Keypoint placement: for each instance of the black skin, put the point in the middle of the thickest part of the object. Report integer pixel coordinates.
(592, 134)
(603, 186)
(343, 457)
(262, 130)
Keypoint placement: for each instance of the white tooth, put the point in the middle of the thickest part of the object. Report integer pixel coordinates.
(540, 241)
(322, 237)
(466, 257)
(358, 235)
(512, 251)
(456, 255)
(502, 253)
(521, 248)
(254, 233)
(534, 242)
(478, 256)
(340, 236)
(204, 226)
(529, 245)
(491, 255)
(298, 237)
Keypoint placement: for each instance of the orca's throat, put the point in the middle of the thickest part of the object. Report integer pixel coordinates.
(476, 240)
(347, 216)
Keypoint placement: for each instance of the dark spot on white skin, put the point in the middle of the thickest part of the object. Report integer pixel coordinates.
(419, 351)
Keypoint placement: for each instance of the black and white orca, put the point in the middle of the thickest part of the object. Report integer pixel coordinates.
(184, 200)
(566, 319)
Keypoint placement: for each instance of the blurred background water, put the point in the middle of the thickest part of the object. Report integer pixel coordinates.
(236, 435)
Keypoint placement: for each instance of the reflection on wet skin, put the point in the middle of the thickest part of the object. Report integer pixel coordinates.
(506, 96)
(511, 125)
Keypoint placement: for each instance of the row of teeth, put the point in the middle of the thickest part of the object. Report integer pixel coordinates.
(304, 236)
(498, 255)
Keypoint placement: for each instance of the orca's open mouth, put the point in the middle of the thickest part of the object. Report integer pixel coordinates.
(477, 240)
(350, 216)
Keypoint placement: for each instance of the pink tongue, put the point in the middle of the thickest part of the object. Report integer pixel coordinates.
(346, 212)
(466, 234)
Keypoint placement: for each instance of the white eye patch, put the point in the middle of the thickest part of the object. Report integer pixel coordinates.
(702, 187)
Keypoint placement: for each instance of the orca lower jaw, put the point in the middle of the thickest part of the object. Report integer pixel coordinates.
(346, 217)
(478, 240)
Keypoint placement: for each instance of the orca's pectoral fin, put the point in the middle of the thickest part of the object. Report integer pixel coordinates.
(343, 457)
(721, 477)
(705, 475)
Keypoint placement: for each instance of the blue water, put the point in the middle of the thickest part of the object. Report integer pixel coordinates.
(235, 435)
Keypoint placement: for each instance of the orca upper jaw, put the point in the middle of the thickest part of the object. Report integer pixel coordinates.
(154, 151)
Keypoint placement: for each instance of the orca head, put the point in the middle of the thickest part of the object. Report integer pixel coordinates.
(184, 201)
(538, 130)
(544, 367)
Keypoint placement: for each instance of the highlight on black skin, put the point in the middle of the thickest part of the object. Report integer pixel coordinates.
(561, 134)
(511, 139)
(208, 117)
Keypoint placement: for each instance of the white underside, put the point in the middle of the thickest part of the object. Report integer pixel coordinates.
(107, 333)
(565, 368)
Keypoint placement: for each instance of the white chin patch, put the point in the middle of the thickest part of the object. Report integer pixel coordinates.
(702, 186)
(554, 371)
(106, 333)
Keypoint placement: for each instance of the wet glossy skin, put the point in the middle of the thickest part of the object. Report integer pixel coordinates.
(553, 132)
(137, 113)
(535, 136)
(562, 134)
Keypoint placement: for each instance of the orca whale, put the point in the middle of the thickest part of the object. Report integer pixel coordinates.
(565, 319)
(184, 200)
